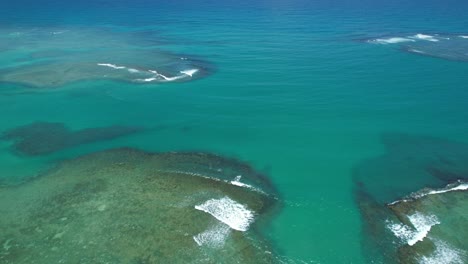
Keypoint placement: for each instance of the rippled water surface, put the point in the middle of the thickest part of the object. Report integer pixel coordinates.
(273, 131)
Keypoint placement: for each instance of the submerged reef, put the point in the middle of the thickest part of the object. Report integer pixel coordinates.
(411, 163)
(390, 191)
(51, 57)
(443, 46)
(130, 206)
(431, 225)
(41, 138)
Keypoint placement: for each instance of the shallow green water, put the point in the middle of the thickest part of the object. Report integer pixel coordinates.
(291, 88)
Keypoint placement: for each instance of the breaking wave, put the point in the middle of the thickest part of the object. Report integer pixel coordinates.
(57, 59)
(458, 186)
(153, 74)
(392, 40)
(444, 46)
(235, 182)
(228, 211)
(110, 65)
(214, 237)
(410, 38)
(160, 76)
(421, 225)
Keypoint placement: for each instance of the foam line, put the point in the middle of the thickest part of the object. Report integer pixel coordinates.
(158, 76)
(235, 182)
(169, 79)
(425, 37)
(416, 51)
(190, 72)
(145, 80)
(131, 70)
(459, 186)
(111, 66)
(393, 40)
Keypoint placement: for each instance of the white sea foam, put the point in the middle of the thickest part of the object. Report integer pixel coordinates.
(416, 51)
(166, 78)
(190, 72)
(398, 201)
(460, 186)
(228, 211)
(145, 80)
(157, 76)
(422, 224)
(464, 37)
(131, 70)
(400, 230)
(237, 182)
(214, 237)
(414, 38)
(425, 37)
(59, 32)
(392, 40)
(111, 66)
(443, 254)
(170, 79)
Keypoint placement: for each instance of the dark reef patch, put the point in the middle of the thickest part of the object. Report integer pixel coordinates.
(52, 58)
(438, 45)
(41, 138)
(444, 212)
(409, 164)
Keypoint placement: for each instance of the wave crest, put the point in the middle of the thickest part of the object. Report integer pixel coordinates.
(228, 211)
(421, 225)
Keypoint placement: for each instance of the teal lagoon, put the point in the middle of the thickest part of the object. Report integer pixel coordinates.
(301, 91)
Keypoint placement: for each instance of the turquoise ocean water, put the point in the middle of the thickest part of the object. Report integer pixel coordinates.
(301, 90)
